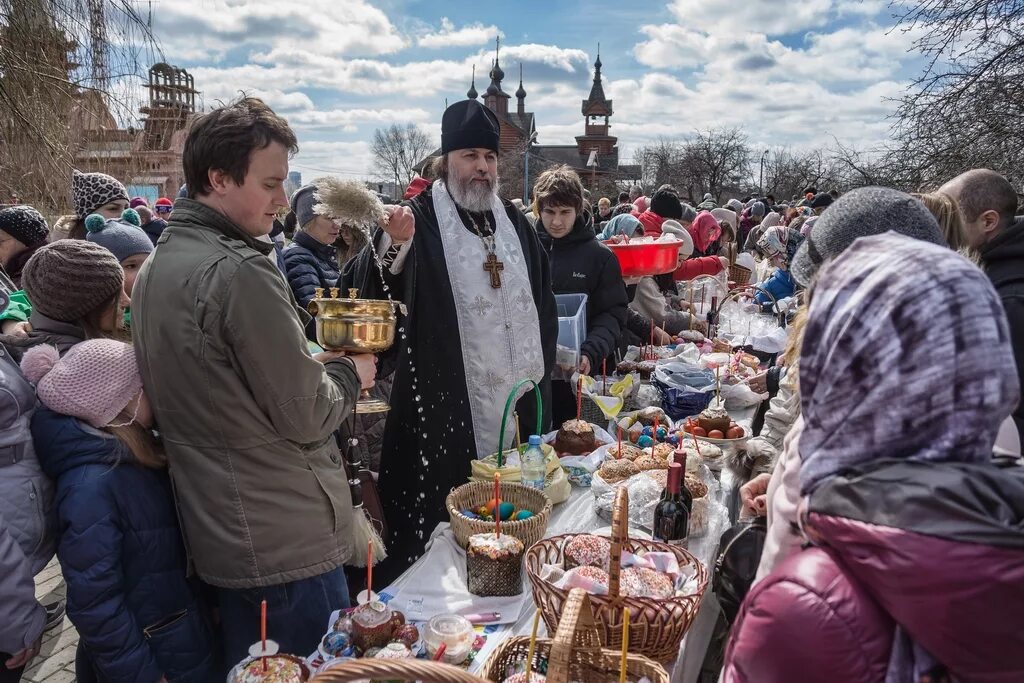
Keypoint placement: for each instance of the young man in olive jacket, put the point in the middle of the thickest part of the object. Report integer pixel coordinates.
(580, 265)
(246, 414)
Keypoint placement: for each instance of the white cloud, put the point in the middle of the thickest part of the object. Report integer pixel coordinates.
(773, 17)
(467, 36)
(349, 119)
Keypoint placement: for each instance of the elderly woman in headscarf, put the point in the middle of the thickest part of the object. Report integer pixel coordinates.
(916, 572)
(750, 219)
(771, 220)
(779, 245)
(702, 257)
(622, 227)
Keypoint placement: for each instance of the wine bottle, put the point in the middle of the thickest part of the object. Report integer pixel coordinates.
(680, 457)
(671, 516)
(712, 317)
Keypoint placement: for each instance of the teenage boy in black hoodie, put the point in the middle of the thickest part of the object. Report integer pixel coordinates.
(579, 265)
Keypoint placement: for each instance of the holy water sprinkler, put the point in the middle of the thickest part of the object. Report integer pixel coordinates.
(352, 324)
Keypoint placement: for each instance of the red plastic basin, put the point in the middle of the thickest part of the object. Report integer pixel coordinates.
(651, 258)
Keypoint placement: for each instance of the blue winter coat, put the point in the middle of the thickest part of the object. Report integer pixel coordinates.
(310, 265)
(137, 615)
(781, 285)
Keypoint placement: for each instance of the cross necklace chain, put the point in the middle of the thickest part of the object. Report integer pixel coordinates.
(492, 264)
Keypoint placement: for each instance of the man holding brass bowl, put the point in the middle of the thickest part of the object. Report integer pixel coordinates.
(247, 415)
(481, 317)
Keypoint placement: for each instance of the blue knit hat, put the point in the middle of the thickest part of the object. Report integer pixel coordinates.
(122, 236)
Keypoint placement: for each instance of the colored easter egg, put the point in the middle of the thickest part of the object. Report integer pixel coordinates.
(491, 504)
(648, 431)
(662, 433)
(645, 442)
(523, 514)
(506, 510)
(337, 642)
(470, 514)
(407, 635)
(673, 439)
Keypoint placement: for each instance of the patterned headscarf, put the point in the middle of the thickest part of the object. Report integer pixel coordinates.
(906, 355)
(780, 241)
(623, 224)
(704, 230)
(771, 219)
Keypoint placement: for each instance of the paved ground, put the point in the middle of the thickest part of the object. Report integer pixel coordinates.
(56, 660)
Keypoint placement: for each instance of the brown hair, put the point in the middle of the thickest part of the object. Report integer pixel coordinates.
(138, 439)
(225, 139)
(558, 186)
(92, 322)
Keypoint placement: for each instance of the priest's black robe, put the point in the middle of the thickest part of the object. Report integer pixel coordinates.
(428, 440)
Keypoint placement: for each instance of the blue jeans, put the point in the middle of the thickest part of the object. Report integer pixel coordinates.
(297, 614)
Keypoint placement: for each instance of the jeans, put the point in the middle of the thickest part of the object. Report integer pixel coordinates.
(297, 614)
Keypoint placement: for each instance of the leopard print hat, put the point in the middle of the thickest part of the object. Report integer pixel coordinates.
(90, 191)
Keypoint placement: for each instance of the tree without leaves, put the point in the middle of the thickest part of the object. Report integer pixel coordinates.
(712, 161)
(396, 149)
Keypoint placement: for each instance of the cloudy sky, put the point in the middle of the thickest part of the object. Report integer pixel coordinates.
(790, 72)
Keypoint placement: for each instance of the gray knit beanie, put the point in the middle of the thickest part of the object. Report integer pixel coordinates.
(689, 214)
(757, 210)
(68, 279)
(859, 213)
(735, 204)
(302, 204)
(121, 236)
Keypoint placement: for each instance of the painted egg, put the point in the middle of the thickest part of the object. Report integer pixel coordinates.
(336, 642)
(484, 511)
(673, 439)
(662, 433)
(523, 514)
(645, 442)
(648, 431)
(407, 635)
(470, 514)
(491, 504)
(343, 624)
(506, 510)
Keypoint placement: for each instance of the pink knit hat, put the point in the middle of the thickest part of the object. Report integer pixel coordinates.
(94, 381)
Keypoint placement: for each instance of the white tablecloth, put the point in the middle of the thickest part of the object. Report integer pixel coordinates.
(576, 515)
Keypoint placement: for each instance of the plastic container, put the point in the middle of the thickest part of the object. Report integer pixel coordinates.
(572, 331)
(533, 465)
(647, 258)
(455, 632)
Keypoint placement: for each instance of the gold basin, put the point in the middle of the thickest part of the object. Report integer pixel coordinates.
(354, 325)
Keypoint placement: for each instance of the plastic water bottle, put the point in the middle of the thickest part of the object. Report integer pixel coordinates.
(532, 467)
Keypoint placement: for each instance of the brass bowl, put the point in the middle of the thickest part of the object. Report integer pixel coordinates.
(354, 325)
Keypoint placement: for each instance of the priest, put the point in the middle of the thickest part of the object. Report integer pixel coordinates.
(480, 318)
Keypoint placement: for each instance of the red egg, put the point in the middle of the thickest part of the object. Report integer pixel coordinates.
(698, 431)
(715, 434)
(734, 433)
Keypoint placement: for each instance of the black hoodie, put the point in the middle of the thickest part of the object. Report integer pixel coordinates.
(1003, 261)
(582, 265)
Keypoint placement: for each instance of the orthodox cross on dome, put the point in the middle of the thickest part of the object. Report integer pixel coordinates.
(472, 94)
(597, 104)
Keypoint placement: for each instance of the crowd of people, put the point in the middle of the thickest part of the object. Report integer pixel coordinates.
(175, 435)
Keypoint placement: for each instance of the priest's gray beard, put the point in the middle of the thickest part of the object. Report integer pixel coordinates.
(471, 195)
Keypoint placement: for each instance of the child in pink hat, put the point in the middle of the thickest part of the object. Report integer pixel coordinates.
(138, 616)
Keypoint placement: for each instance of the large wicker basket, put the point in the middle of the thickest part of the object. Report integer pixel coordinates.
(657, 626)
(575, 653)
(397, 670)
(476, 493)
(739, 274)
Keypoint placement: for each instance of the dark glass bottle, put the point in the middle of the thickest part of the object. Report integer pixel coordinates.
(684, 493)
(671, 516)
(712, 317)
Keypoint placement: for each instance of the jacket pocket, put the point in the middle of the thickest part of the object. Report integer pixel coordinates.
(324, 461)
(181, 644)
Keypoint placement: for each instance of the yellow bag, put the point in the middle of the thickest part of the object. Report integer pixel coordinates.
(556, 483)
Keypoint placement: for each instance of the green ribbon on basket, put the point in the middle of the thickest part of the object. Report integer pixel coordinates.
(504, 416)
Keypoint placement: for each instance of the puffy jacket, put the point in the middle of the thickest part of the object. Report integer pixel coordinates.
(695, 267)
(137, 615)
(1003, 261)
(937, 549)
(246, 414)
(651, 222)
(310, 264)
(780, 285)
(582, 265)
(27, 530)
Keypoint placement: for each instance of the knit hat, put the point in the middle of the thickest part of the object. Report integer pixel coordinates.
(735, 204)
(136, 202)
(68, 279)
(708, 197)
(90, 191)
(163, 205)
(821, 200)
(689, 214)
(24, 224)
(302, 204)
(757, 209)
(121, 236)
(94, 381)
(859, 213)
(667, 205)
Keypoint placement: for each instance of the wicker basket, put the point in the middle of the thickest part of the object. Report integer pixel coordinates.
(397, 670)
(656, 625)
(575, 653)
(739, 274)
(476, 493)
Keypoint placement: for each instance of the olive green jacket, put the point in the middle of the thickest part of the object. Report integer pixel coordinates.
(247, 416)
